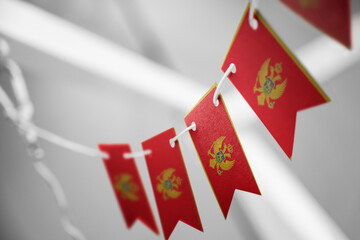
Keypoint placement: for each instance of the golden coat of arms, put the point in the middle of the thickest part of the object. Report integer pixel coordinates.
(309, 3)
(269, 88)
(168, 184)
(127, 188)
(221, 155)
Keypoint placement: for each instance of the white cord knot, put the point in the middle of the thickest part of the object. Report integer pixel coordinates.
(35, 151)
(26, 128)
(21, 116)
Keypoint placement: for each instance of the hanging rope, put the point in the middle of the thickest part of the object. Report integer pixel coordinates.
(21, 117)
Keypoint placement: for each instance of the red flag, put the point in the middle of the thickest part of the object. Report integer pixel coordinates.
(330, 16)
(170, 182)
(220, 151)
(271, 80)
(127, 186)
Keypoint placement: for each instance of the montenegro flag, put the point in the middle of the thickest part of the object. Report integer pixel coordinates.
(330, 16)
(220, 150)
(271, 79)
(127, 186)
(170, 182)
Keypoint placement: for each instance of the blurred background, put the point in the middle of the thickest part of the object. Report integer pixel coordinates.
(120, 71)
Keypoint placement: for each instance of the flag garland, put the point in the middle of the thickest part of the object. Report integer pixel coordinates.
(261, 64)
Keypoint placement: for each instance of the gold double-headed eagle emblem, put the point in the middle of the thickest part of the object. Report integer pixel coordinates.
(168, 184)
(220, 153)
(309, 3)
(269, 88)
(127, 187)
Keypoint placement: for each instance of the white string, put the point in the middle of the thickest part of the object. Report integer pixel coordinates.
(65, 143)
(26, 108)
(12, 113)
(174, 139)
(60, 198)
(252, 21)
(231, 69)
(137, 154)
(22, 118)
(8, 106)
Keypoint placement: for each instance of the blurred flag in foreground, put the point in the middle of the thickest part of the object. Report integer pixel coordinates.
(127, 186)
(333, 17)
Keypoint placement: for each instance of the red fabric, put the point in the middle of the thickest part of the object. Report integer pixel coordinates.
(133, 202)
(170, 182)
(250, 51)
(216, 142)
(330, 16)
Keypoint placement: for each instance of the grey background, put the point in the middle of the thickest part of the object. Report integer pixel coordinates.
(190, 37)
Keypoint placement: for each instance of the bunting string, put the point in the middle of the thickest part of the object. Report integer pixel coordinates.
(21, 117)
(231, 69)
(174, 139)
(137, 154)
(252, 21)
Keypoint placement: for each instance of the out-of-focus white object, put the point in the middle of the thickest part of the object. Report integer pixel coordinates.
(88, 51)
(325, 58)
(22, 116)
